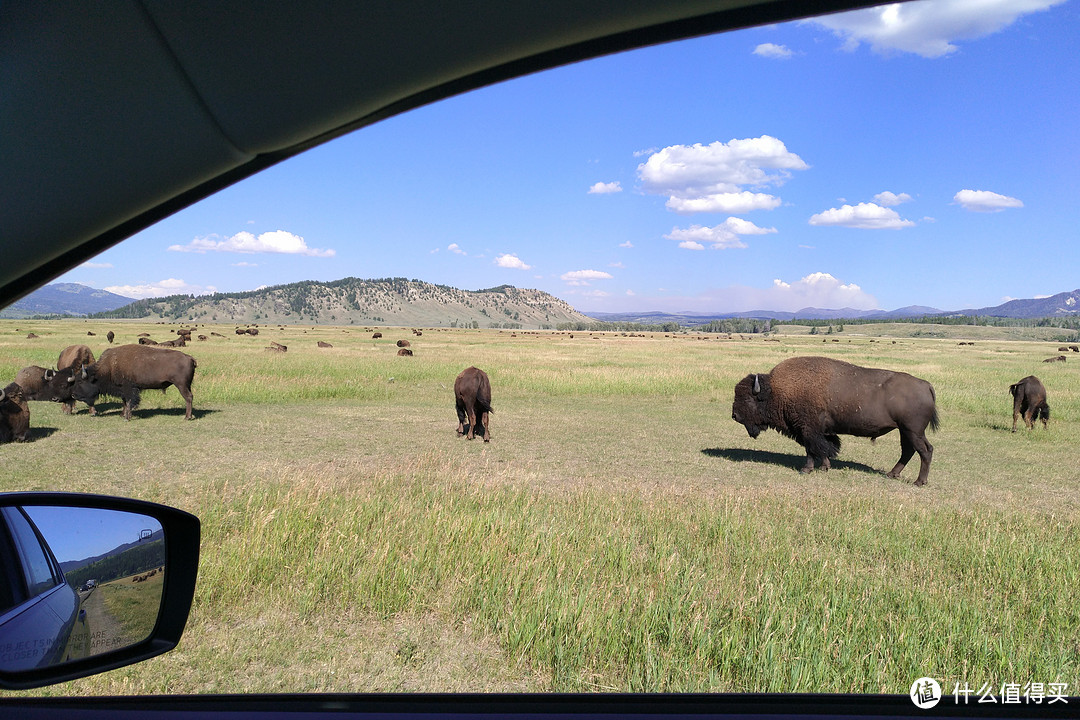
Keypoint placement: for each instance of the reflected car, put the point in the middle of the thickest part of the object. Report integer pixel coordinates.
(38, 608)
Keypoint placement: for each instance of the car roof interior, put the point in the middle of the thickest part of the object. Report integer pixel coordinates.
(116, 115)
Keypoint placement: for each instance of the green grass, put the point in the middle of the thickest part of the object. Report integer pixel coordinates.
(620, 532)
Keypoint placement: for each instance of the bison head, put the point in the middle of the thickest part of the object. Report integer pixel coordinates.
(85, 386)
(58, 387)
(750, 408)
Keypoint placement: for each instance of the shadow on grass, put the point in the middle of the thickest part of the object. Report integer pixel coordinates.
(782, 459)
(39, 433)
(118, 409)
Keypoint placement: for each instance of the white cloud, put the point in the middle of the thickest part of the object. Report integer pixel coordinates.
(626, 244)
(714, 178)
(867, 216)
(172, 286)
(890, 199)
(602, 188)
(453, 247)
(769, 50)
(582, 277)
(245, 264)
(96, 266)
(740, 202)
(512, 262)
(617, 265)
(719, 237)
(277, 241)
(927, 28)
(643, 153)
(985, 201)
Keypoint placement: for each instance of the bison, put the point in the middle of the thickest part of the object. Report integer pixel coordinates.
(14, 414)
(404, 352)
(813, 400)
(1029, 400)
(472, 395)
(110, 336)
(126, 370)
(33, 381)
(376, 336)
(325, 344)
(74, 357)
(403, 343)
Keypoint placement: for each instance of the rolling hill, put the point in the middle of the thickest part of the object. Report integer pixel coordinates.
(351, 301)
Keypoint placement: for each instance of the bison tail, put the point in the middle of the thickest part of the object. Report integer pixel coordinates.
(484, 405)
(935, 423)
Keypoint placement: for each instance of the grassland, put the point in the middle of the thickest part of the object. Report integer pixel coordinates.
(620, 532)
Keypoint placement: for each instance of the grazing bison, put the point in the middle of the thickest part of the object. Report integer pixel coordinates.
(126, 370)
(33, 381)
(110, 336)
(472, 395)
(1029, 400)
(14, 414)
(74, 357)
(376, 336)
(814, 399)
(404, 352)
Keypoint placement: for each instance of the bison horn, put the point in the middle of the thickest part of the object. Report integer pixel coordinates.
(3, 395)
(757, 385)
(49, 374)
(83, 372)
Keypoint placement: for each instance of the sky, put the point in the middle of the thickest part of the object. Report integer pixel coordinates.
(78, 533)
(917, 154)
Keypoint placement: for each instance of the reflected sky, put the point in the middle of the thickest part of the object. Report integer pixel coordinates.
(78, 533)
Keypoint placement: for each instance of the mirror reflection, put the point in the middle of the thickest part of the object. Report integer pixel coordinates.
(76, 582)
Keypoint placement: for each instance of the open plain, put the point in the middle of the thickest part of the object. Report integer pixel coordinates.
(619, 533)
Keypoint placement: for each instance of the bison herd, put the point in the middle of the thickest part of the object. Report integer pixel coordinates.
(812, 400)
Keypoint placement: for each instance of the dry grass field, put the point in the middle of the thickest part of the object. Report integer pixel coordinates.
(619, 533)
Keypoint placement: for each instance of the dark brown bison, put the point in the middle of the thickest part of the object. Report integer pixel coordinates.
(472, 395)
(126, 370)
(14, 414)
(325, 344)
(403, 343)
(376, 336)
(110, 336)
(252, 331)
(147, 341)
(1029, 400)
(74, 357)
(33, 381)
(1059, 358)
(813, 400)
(404, 352)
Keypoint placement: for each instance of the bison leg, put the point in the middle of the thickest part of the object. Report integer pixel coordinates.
(68, 407)
(188, 397)
(472, 421)
(484, 423)
(910, 443)
(460, 417)
(809, 466)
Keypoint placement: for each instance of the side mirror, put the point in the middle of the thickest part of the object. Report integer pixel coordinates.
(90, 583)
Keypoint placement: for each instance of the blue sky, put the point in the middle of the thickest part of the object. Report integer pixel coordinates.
(78, 533)
(924, 153)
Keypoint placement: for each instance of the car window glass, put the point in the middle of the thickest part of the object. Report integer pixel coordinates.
(35, 560)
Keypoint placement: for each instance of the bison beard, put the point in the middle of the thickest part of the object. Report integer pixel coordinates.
(472, 396)
(814, 400)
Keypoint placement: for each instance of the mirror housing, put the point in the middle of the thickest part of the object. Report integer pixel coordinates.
(179, 558)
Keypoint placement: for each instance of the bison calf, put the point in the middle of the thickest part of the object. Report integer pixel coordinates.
(1029, 400)
(472, 394)
(812, 400)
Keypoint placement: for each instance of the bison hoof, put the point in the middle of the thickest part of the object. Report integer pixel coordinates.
(806, 470)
